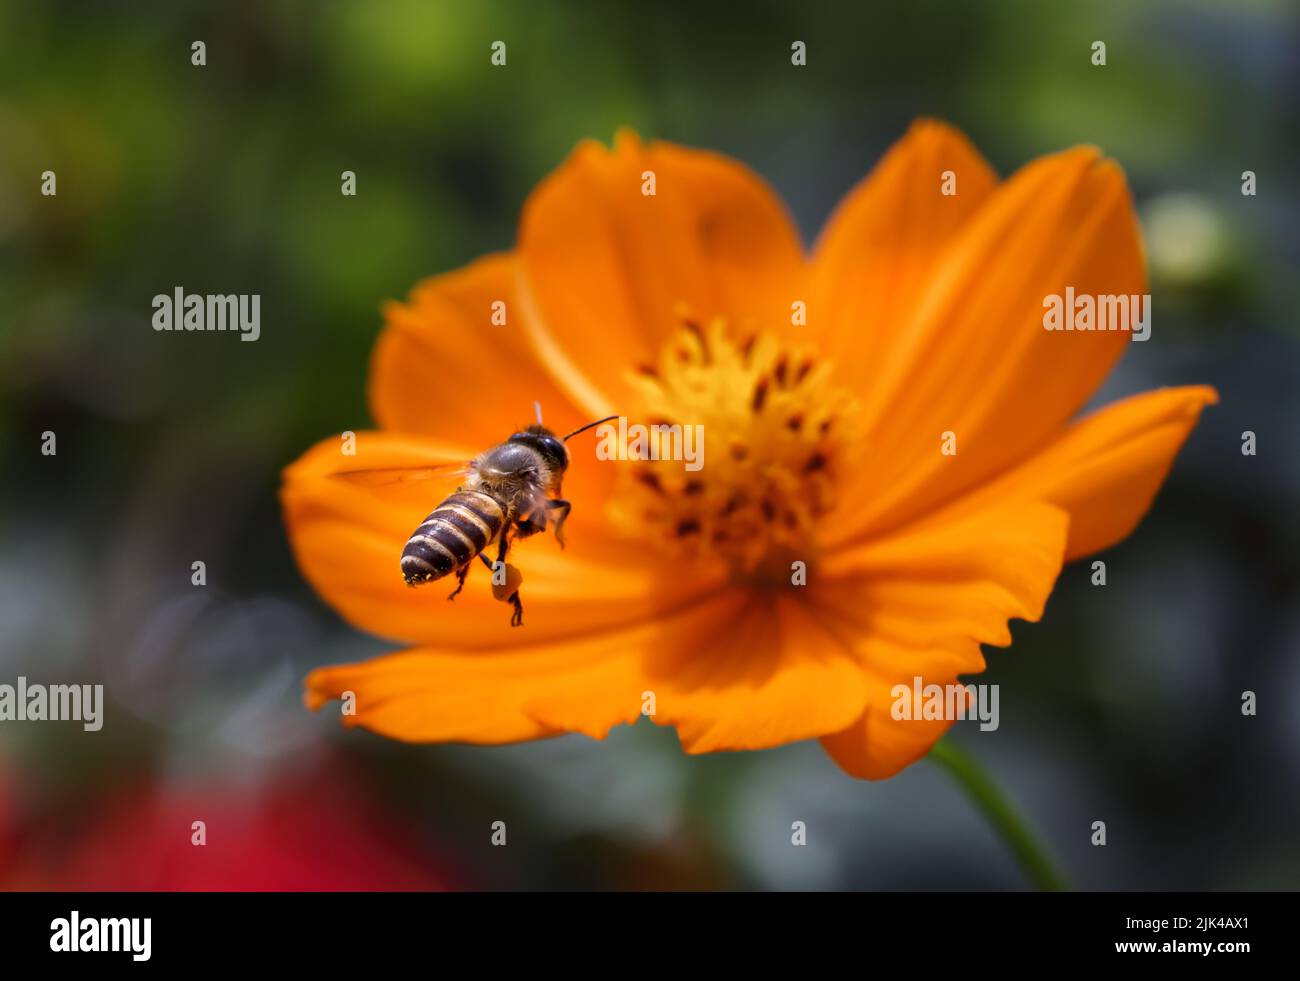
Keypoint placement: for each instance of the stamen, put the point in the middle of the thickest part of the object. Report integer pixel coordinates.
(772, 427)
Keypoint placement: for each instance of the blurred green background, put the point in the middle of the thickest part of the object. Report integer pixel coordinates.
(1123, 705)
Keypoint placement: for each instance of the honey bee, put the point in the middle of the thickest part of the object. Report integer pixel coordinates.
(509, 492)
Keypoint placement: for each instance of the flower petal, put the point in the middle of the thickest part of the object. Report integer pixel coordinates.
(974, 359)
(774, 675)
(519, 691)
(729, 673)
(607, 267)
(877, 746)
(443, 368)
(876, 254)
(347, 541)
(949, 578)
(919, 603)
(1105, 470)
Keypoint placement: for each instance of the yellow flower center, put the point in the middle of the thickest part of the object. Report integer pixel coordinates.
(771, 427)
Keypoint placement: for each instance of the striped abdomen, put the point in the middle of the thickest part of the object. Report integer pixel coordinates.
(457, 530)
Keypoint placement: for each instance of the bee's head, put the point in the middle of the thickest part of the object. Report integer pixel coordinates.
(545, 442)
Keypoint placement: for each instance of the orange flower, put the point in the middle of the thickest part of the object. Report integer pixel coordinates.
(832, 389)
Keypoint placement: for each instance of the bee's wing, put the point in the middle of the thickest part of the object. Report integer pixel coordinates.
(390, 476)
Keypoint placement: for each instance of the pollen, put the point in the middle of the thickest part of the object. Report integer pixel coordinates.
(773, 428)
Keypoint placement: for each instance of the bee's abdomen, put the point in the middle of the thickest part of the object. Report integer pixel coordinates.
(456, 531)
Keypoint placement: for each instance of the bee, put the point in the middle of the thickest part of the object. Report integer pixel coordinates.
(509, 492)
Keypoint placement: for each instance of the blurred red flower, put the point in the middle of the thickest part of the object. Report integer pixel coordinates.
(298, 835)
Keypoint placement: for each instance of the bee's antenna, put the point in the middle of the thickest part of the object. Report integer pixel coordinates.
(538, 407)
(583, 429)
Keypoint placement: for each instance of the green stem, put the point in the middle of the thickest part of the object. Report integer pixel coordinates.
(1010, 825)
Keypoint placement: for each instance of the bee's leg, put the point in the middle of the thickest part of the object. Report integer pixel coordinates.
(517, 617)
(461, 573)
(530, 526)
(563, 507)
(491, 567)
